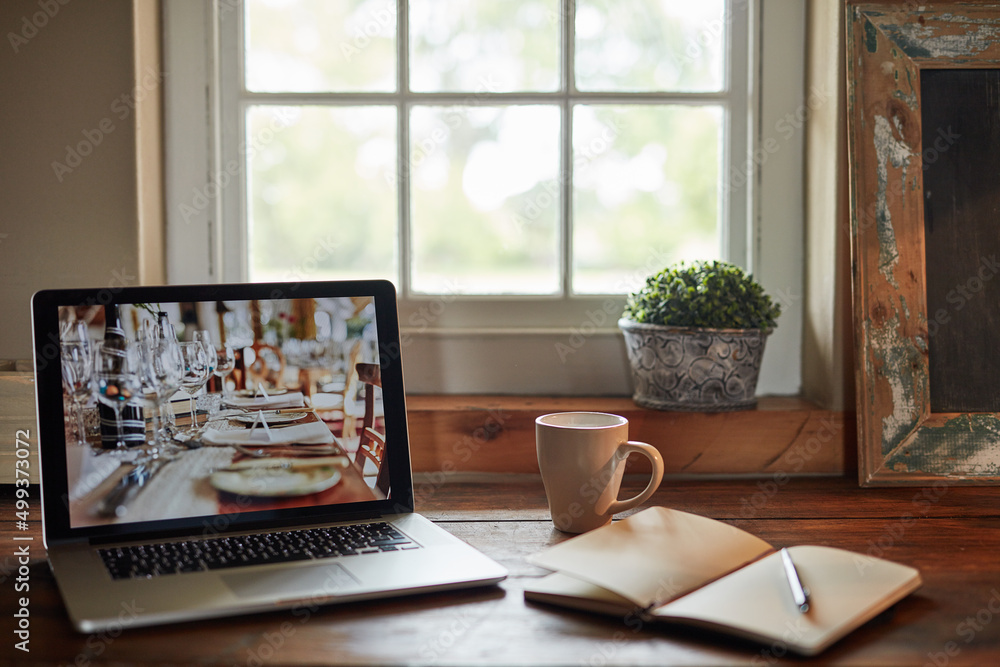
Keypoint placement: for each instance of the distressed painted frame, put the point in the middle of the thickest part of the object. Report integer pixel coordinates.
(900, 441)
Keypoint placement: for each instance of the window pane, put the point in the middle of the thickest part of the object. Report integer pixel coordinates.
(322, 192)
(485, 200)
(646, 191)
(317, 46)
(650, 45)
(484, 46)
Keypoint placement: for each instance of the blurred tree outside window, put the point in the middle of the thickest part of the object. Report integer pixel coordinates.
(487, 147)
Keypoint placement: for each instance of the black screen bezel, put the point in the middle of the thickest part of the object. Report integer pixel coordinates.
(49, 404)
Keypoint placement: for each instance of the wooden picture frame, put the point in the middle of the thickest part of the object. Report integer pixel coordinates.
(903, 436)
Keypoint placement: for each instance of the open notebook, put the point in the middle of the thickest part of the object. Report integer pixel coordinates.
(672, 566)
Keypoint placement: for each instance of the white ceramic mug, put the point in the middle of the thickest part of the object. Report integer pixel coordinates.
(582, 459)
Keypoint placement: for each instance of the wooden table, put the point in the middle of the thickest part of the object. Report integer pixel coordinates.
(952, 534)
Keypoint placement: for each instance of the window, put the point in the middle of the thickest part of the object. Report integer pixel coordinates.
(514, 167)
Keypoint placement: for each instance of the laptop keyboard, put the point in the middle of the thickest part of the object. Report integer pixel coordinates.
(151, 560)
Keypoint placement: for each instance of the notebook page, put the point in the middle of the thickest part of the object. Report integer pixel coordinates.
(654, 555)
(846, 590)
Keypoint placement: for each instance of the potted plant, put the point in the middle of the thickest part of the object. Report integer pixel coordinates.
(695, 337)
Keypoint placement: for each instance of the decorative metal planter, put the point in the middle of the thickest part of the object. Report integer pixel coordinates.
(705, 370)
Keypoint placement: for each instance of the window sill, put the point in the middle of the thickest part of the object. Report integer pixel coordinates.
(781, 436)
(496, 434)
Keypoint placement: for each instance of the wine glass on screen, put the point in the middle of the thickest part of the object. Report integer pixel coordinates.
(74, 331)
(147, 381)
(225, 362)
(196, 374)
(202, 336)
(117, 380)
(165, 334)
(78, 380)
(170, 369)
(162, 370)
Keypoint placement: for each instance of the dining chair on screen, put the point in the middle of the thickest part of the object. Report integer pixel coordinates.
(371, 446)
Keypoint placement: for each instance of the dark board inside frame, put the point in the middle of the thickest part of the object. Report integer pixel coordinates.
(961, 173)
(926, 380)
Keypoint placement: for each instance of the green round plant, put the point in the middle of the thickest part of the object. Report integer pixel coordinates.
(705, 294)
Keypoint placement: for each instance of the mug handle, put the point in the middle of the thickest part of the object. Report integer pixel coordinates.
(655, 459)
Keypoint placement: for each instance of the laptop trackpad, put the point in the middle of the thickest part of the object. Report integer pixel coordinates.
(314, 581)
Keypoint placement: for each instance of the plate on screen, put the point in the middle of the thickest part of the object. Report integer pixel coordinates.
(250, 393)
(276, 478)
(271, 417)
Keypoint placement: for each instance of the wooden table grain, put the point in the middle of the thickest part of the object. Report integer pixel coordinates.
(952, 534)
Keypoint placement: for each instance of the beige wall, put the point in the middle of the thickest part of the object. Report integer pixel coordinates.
(827, 346)
(68, 78)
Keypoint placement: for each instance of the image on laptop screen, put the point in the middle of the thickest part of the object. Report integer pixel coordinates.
(214, 408)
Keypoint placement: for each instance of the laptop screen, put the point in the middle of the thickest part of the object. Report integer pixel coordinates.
(218, 407)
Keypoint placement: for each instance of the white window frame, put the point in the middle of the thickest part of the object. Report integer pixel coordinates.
(561, 345)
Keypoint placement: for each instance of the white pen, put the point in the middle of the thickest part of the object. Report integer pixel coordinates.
(799, 594)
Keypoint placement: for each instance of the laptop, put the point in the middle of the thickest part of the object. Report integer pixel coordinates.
(243, 513)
